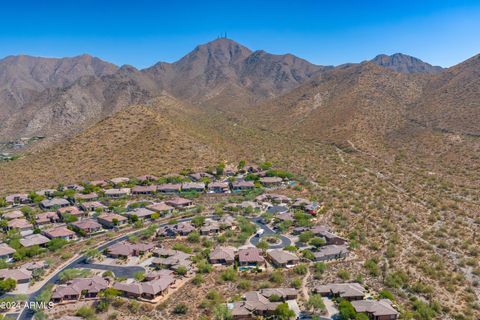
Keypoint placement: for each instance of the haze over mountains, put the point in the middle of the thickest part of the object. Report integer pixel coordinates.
(57, 97)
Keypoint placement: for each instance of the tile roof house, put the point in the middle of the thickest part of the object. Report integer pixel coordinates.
(59, 233)
(78, 288)
(99, 183)
(169, 188)
(219, 187)
(144, 189)
(256, 303)
(46, 192)
(18, 198)
(329, 237)
(331, 252)
(349, 291)
(161, 207)
(86, 197)
(376, 310)
(6, 252)
(47, 204)
(19, 275)
(20, 224)
(46, 218)
(12, 215)
(172, 259)
(181, 229)
(282, 258)
(148, 289)
(146, 178)
(200, 175)
(34, 240)
(92, 206)
(117, 193)
(193, 186)
(223, 255)
(179, 203)
(71, 210)
(271, 181)
(87, 227)
(242, 185)
(141, 213)
(111, 220)
(126, 249)
(250, 257)
(152, 275)
(119, 180)
(210, 227)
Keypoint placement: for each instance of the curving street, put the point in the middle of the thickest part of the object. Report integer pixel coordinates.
(284, 241)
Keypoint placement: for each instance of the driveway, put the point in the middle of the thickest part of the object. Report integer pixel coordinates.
(269, 232)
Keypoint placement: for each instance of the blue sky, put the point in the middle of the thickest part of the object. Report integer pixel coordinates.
(141, 32)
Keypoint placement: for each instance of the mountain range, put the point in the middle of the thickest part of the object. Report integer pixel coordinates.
(59, 97)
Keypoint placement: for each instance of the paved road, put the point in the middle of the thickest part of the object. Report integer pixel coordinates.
(269, 232)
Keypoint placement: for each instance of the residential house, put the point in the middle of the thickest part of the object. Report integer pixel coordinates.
(89, 206)
(20, 224)
(219, 187)
(181, 229)
(86, 197)
(112, 220)
(146, 290)
(34, 240)
(270, 182)
(210, 227)
(330, 238)
(147, 178)
(152, 275)
(331, 252)
(125, 249)
(238, 186)
(172, 259)
(75, 187)
(223, 255)
(117, 193)
(46, 218)
(19, 275)
(193, 187)
(119, 180)
(169, 188)
(201, 175)
(60, 233)
(282, 258)
(161, 208)
(376, 310)
(6, 252)
(54, 203)
(279, 198)
(144, 190)
(250, 257)
(99, 183)
(87, 227)
(46, 192)
(180, 203)
(72, 210)
(75, 289)
(18, 198)
(141, 213)
(257, 304)
(12, 215)
(349, 291)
